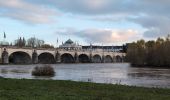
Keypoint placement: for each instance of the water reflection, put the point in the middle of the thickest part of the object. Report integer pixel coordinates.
(99, 73)
(4, 71)
(149, 73)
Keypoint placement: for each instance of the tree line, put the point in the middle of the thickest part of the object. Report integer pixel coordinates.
(31, 42)
(151, 53)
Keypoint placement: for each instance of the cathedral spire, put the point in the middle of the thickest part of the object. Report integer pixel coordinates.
(4, 35)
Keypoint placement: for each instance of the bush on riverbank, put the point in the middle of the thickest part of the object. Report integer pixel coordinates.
(150, 53)
(43, 70)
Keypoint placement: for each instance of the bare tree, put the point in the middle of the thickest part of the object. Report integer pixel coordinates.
(31, 42)
(34, 42)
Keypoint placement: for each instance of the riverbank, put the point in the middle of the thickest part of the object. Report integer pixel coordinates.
(149, 66)
(24, 89)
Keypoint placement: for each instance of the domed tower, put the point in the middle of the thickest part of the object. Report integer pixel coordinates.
(70, 45)
(69, 41)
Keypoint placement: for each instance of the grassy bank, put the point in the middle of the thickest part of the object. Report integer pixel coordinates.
(15, 89)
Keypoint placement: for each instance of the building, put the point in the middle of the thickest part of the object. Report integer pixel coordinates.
(4, 43)
(70, 45)
(104, 48)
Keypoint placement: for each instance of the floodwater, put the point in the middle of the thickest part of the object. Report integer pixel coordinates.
(120, 73)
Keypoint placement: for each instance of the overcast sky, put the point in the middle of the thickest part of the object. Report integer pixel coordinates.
(109, 22)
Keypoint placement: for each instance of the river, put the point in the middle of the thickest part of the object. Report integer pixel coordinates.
(120, 73)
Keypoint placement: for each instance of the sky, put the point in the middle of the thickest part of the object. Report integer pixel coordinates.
(99, 22)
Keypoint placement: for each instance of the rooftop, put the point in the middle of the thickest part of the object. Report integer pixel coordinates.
(69, 41)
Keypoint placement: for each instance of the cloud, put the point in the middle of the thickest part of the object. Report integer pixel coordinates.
(156, 26)
(93, 7)
(152, 15)
(102, 35)
(25, 11)
(90, 7)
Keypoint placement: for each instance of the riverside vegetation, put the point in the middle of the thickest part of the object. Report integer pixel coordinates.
(24, 89)
(43, 70)
(150, 53)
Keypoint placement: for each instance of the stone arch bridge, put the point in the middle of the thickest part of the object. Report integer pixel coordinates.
(51, 56)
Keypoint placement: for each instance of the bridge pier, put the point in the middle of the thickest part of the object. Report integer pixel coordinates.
(76, 58)
(4, 57)
(103, 59)
(114, 59)
(34, 57)
(91, 58)
(58, 57)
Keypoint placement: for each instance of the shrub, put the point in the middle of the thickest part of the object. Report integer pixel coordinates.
(43, 70)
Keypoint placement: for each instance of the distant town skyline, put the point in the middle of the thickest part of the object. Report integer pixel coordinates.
(108, 22)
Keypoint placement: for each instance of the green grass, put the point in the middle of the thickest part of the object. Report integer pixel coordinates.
(24, 89)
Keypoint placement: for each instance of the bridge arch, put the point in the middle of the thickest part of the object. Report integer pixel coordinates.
(108, 59)
(119, 58)
(20, 57)
(67, 58)
(97, 59)
(46, 58)
(83, 58)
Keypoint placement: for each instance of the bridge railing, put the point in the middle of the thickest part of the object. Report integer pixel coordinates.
(15, 47)
(70, 50)
(88, 50)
